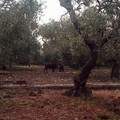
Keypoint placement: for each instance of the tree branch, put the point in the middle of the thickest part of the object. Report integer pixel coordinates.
(111, 34)
(5, 3)
(79, 28)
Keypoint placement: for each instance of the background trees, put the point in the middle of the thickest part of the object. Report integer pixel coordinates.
(60, 42)
(18, 31)
(97, 32)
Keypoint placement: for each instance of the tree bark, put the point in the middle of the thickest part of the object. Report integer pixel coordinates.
(86, 70)
(81, 79)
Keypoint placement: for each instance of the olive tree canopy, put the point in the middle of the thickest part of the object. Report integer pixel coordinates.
(108, 12)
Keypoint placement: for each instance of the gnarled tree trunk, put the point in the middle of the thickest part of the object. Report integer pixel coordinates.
(86, 70)
(81, 79)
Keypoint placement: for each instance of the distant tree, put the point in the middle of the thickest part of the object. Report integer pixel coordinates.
(60, 41)
(110, 56)
(50, 48)
(107, 14)
(18, 31)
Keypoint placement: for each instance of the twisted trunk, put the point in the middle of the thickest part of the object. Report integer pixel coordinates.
(81, 79)
(87, 68)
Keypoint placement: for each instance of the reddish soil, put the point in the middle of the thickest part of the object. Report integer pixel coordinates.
(36, 75)
(20, 104)
(52, 105)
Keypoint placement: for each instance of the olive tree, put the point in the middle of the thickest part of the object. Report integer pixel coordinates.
(98, 39)
(18, 30)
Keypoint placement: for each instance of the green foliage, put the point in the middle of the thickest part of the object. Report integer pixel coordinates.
(111, 52)
(18, 31)
(94, 23)
(61, 42)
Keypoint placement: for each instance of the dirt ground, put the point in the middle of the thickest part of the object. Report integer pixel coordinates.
(25, 104)
(36, 75)
(52, 105)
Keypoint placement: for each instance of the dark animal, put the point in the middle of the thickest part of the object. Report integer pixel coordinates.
(115, 70)
(52, 66)
(4, 67)
(61, 67)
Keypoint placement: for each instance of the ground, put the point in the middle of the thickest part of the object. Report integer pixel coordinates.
(36, 75)
(25, 104)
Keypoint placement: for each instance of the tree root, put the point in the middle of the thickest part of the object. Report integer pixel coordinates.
(82, 92)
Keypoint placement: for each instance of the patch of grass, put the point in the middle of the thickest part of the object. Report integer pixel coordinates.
(107, 115)
(6, 101)
(101, 71)
(74, 101)
(117, 91)
(88, 100)
(23, 102)
(27, 66)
